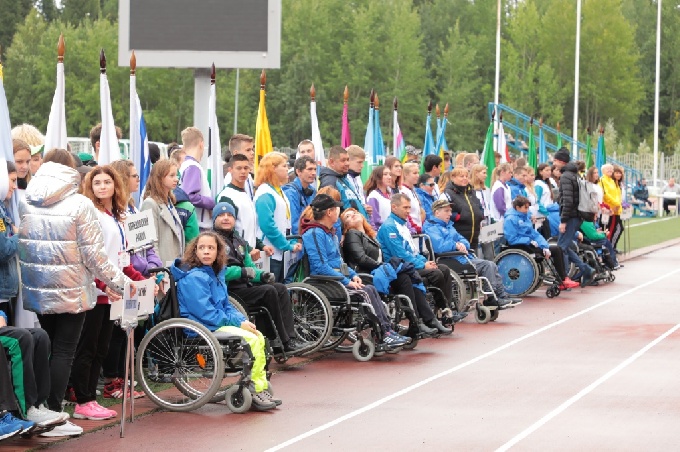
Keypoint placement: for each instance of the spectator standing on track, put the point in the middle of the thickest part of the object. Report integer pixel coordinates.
(193, 180)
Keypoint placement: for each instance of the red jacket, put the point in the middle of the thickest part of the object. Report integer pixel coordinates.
(129, 271)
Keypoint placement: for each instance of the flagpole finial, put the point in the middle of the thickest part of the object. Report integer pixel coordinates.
(377, 102)
(263, 79)
(493, 114)
(133, 63)
(429, 107)
(372, 97)
(212, 74)
(446, 110)
(395, 103)
(345, 94)
(436, 109)
(558, 126)
(531, 122)
(540, 122)
(312, 93)
(102, 62)
(61, 48)
(588, 130)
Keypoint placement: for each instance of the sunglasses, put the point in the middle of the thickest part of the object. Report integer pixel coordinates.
(430, 185)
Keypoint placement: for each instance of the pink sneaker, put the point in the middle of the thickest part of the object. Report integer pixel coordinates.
(93, 411)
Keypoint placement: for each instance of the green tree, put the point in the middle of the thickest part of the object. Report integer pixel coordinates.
(77, 11)
(12, 13)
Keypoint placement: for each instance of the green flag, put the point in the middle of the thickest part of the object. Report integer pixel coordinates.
(489, 156)
(533, 158)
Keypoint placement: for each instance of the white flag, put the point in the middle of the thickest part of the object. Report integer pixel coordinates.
(6, 152)
(55, 137)
(108, 141)
(215, 157)
(139, 142)
(319, 154)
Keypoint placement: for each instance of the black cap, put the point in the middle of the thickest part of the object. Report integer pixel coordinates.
(562, 155)
(324, 202)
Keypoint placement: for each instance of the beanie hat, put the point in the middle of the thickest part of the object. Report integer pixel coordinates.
(223, 207)
(562, 155)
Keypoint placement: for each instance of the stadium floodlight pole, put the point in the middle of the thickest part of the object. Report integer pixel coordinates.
(498, 68)
(577, 64)
(236, 103)
(656, 91)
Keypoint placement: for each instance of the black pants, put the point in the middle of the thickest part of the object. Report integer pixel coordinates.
(8, 401)
(403, 286)
(615, 227)
(30, 348)
(666, 202)
(64, 331)
(440, 278)
(92, 349)
(114, 363)
(276, 299)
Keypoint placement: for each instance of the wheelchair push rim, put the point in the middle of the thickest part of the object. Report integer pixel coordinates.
(519, 271)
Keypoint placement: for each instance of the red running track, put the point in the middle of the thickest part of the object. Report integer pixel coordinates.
(594, 369)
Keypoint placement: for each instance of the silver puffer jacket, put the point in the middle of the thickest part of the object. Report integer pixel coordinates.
(61, 247)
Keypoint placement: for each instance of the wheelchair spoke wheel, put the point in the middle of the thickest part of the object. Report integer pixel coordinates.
(184, 365)
(312, 315)
(519, 271)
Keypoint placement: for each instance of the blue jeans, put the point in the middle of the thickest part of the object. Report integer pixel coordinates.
(565, 241)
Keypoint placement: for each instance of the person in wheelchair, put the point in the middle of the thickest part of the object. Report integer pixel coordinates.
(362, 253)
(202, 296)
(596, 237)
(252, 285)
(519, 232)
(395, 240)
(446, 239)
(323, 253)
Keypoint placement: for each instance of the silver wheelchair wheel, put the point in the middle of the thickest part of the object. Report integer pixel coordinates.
(193, 365)
(312, 315)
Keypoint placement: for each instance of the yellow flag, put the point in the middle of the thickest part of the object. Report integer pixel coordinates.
(263, 139)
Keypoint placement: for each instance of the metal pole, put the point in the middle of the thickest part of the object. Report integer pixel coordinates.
(236, 103)
(574, 147)
(656, 92)
(498, 73)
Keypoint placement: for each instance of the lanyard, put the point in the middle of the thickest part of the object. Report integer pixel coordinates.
(171, 209)
(120, 230)
(280, 192)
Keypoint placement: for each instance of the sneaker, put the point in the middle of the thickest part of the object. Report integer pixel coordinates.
(10, 426)
(587, 277)
(44, 417)
(393, 339)
(515, 301)
(27, 427)
(70, 397)
(569, 284)
(93, 411)
(427, 330)
(261, 402)
(617, 267)
(114, 390)
(67, 429)
(296, 345)
(267, 393)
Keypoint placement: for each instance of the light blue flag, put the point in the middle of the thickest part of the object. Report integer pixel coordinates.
(379, 144)
(139, 142)
(428, 146)
(542, 151)
(369, 143)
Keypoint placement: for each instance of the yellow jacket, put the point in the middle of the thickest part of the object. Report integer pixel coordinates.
(612, 194)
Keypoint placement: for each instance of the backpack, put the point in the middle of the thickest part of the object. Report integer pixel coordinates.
(588, 207)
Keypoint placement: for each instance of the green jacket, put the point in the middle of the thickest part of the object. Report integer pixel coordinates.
(590, 232)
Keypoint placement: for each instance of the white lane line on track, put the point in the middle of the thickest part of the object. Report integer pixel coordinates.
(468, 363)
(585, 391)
(644, 223)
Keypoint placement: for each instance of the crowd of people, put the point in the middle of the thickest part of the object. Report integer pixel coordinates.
(64, 257)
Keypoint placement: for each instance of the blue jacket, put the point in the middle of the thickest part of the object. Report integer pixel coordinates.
(519, 230)
(203, 297)
(444, 237)
(298, 201)
(323, 251)
(9, 277)
(394, 244)
(516, 188)
(426, 201)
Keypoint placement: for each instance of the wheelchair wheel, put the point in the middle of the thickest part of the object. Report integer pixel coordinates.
(552, 291)
(312, 315)
(482, 314)
(519, 271)
(460, 292)
(238, 399)
(494, 315)
(411, 345)
(194, 365)
(363, 350)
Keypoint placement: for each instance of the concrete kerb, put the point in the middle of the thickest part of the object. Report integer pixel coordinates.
(649, 249)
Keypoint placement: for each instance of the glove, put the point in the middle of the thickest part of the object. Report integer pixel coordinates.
(248, 272)
(534, 243)
(546, 253)
(267, 278)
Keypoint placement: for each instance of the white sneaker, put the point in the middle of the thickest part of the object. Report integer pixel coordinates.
(43, 409)
(44, 417)
(68, 429)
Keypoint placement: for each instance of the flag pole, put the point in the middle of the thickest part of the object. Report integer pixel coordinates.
(577, 64)
(656, 92)
(395, 104)
(236, 102)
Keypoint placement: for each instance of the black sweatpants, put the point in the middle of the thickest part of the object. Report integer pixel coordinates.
(440, 278)
(29, 351)
(92, 349)
(8, 401)
(403, 286)
(276, 299)
(64, 332)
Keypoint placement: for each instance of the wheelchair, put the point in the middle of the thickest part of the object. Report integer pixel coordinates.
(181, 365)
(312, 316)
(469, 289)
(597, 257)
(523, 271)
